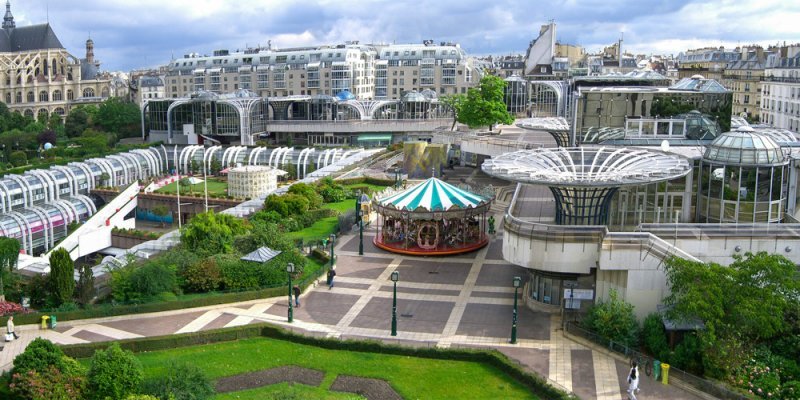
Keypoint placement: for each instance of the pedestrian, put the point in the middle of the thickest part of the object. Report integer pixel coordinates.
(331, 275)
(633, 382)
(10, 328)
(296, 290)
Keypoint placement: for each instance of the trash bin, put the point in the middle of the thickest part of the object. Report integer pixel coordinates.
(656, 369)
(52, 321)
(44, 321)
(665, 373)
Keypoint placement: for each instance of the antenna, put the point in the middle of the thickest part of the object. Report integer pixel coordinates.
(47, 10)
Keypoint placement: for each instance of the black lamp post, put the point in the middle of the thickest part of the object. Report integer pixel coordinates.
(396, 177)
(333, 241)
(517, 282)
(360, 199)
(395, 278)
(290, 271)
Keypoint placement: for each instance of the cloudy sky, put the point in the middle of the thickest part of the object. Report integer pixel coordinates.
(142, 33)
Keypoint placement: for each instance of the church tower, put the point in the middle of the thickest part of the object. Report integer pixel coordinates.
(8, 20)
(90, 51)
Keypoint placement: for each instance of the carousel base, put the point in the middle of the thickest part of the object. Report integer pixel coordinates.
(445, 251)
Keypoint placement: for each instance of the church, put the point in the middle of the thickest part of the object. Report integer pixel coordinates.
(39, 76)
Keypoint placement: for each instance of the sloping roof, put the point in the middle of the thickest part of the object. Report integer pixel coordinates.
(27, 38)
(261, 255)
(433, 195)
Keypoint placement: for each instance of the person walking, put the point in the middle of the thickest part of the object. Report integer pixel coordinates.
(633, 382)
(296, 290)
(331, 275)
(10, 329)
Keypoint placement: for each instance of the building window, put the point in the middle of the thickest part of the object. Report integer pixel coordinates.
(88, 92)
(70, 95)
(31, 98)
(57, 95)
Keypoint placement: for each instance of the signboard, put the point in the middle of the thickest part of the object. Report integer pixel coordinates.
(578, 294)
(573, 304)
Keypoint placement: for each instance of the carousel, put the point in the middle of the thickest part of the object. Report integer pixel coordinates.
(432, 218)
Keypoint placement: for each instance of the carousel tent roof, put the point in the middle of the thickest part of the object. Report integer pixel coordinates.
(433, 195)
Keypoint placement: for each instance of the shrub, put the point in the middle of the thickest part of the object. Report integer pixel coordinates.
(182, 382)
(38, 288)
(40, 354)
(296, 204)
(84, 291)
(655, 338)
(613, 319)
(114, 373)
(307, 191)
(210, 233)
(18, 158)
(237, 274)
(141, 397)
(688, 355)
(203, 276)
(276, 204)
(9, 308)
(62, 276)
(154, 278)
(50, 384)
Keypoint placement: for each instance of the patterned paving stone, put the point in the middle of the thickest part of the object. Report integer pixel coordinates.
(583, 374)
(322, 307)
(360, 267)
(92, 337)
(495, 247)
(442, 272)
(490, 320)
(412, 315)
(155, 326)
(501, 275)
(435, 292)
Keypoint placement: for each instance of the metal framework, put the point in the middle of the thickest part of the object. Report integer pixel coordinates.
(557, 127)
(583, 179)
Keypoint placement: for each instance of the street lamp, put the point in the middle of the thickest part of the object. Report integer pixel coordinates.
(361, 198)
(332, 240)
(517, 282)
(395, 278)
(396, 177)
(290, 271)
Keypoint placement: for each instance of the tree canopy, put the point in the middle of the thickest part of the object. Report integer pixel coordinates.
(484, 105)
(210, 233)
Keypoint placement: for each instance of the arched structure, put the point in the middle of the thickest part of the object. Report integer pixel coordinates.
(557, 127)
(432, 218)
(583, 179)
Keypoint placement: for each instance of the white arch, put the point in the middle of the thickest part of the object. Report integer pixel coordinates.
(22, 222)
(236, 155)
(87, 170)
(211, 151)
(148, 159)
(90, 207)
(7, 201)
(136, 165)
(72, 179)
(23, 186)
(254, 154)
(305, 162)
(272, 155)
(125, 168)
(46, 182)
(286, 153)
(47, 228)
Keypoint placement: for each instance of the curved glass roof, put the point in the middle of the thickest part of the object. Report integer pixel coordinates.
(744, 146)
(699, 84)
(429, 94)
(414, 96)
(547, 124)
(587, 166)
(515, 78)
(345, 95)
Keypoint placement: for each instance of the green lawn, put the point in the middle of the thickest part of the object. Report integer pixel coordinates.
(318, 231)
(375, 188)
(342, 206)
(412, 378)
(215, 186)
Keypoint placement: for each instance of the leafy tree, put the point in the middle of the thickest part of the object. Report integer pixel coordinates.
(613, 319)
(77, 121)
(48, 136)
(200, 277)
(277, 204)
(18, 158)
(84, 291)
(454, 102)
(120, 117)
(655, 338)
(216, 166)
(210, 233)
(9, 253)
(297, 205)
(38, 355)
(161, 211)
(61, 278)
(114, 373)
(485, 105)
(309, 192)
(94, 142)
(181, 382)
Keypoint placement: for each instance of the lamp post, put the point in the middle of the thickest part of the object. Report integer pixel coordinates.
(361, 198)
(517, 282)
(290, 271)
(395, 278)
(396, 177)
(332, 240)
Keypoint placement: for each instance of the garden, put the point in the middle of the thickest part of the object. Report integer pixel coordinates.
(263, 362)
(217, 187)
(749, 318)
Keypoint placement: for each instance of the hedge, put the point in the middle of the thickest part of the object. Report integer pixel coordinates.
(367, 180)
(494, 358)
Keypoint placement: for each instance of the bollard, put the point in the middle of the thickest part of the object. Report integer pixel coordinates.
(44, 321)
(665, 373)
(656, 369)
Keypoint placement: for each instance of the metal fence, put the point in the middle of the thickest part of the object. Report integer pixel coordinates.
(715, 389)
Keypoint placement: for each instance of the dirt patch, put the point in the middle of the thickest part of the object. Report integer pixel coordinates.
(372, 389)
(252, 380)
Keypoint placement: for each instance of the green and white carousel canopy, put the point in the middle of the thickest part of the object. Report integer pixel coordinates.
(433, 195)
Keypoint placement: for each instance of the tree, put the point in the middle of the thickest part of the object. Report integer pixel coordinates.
(38, 355)
(77, 121)
(454, 102)
(84, 291)
(9, 253)
(210, 233)
(114, 373)
(186, 183)
(120, 117)
(485, 105)
(61, 278)
(613, 319)
(161, 211)
(309, 192)
(47, 136)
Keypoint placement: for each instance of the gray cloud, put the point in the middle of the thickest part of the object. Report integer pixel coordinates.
(148, 32)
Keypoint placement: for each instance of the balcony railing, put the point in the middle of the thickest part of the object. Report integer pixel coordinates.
(782, 79)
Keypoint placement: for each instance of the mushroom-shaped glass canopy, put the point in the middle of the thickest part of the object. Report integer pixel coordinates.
(429, 94)
(345, 95)
(558, 127)
(414, 97)
(584, 179)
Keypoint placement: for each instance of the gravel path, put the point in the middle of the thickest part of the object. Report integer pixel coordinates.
(272, 376)
(372, 389)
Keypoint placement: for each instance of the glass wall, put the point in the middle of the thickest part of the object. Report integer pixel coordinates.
(742, 194)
